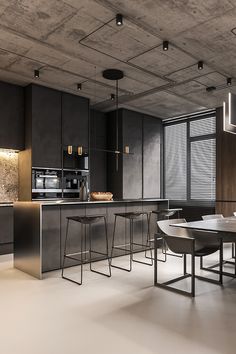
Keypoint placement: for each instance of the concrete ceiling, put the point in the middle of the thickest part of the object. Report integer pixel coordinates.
(73, 41)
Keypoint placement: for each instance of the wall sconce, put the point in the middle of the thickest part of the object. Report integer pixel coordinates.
(80, 150)
(69, 149)
(126, 150)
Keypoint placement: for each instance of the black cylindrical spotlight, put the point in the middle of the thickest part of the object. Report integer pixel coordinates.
(200, 65)
(229, 81)
(36, 74)
(79, 87)
(165, 45)
(112, 96)
(119, 20)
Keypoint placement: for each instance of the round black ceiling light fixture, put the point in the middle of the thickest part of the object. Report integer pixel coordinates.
(200, 65)
(113, 74)
(119, 20)
(36, 74)
(165, 45)
(229, 81)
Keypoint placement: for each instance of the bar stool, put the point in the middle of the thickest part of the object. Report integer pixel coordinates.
(164, 214)
(85, 221)
(131, 216)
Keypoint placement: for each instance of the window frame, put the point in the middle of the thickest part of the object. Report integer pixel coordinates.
(190, 139)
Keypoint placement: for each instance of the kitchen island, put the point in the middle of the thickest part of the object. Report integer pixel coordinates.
(40, 229)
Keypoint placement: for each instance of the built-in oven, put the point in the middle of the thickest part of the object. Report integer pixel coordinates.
(57, 183)
(46, 183)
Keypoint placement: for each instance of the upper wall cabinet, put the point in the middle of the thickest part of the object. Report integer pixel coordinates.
(46, 126)
(11, 116)
(152, 135)
(75, 113)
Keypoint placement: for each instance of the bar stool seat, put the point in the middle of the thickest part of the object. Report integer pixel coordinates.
(131, 216)
(87, 220)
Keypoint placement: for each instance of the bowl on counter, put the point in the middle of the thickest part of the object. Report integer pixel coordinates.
(101, 196)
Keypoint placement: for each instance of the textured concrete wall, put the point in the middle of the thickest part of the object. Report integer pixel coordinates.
(8, 176)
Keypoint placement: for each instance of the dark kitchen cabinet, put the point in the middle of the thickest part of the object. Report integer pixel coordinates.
(6, 231)
(75, 114)
(12, 116)
(152, 134)
(51, 241)
(45, 112)
(126, 182)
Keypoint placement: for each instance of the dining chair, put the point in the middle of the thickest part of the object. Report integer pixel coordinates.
(186, 242)
(227, 239)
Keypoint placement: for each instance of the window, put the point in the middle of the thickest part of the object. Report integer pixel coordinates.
(190, 159)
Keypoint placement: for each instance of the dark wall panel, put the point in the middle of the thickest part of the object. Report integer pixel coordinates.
(132, 164)
(98, 159)
(152, 130)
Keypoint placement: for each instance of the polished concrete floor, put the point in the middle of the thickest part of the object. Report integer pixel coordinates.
(121, 315)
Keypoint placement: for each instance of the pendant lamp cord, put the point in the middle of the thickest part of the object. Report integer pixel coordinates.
(117, 128)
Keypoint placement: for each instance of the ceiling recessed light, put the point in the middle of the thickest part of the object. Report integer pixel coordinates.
(200, 65)
(165, 45)
(36, 74)
(119, 20)
(79, 87)
(229, 81)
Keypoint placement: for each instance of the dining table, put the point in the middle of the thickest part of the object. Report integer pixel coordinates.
(225, 228)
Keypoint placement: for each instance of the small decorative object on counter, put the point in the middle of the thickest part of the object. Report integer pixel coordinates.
(101, 196)
(83, 193)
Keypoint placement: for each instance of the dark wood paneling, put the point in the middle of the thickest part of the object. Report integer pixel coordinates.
(152, 130)
(225, 168)
(51, 242)
(12, 116)
(98, 159)
(46, 127)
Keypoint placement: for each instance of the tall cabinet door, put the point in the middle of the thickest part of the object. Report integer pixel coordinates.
(152, 132)
(132, 164)
(46, 126)
(75, 113)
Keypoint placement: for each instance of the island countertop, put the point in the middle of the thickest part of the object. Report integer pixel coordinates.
(40, 228)
(91, 202)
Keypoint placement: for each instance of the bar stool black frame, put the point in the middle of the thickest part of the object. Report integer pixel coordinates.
(84, 221)
(131, 216)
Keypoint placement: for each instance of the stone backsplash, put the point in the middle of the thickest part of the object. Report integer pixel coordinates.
(8, 176)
